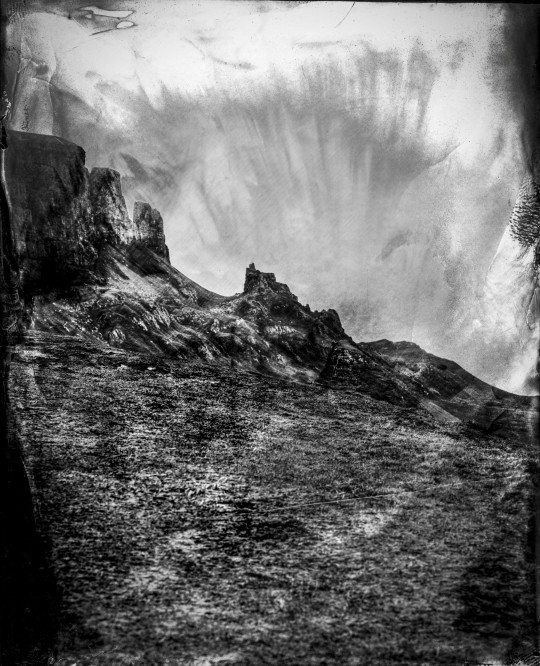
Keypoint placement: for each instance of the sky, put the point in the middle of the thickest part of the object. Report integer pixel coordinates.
(369, 154)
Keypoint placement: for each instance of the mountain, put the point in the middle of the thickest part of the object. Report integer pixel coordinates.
(233, 479)
(90, 270)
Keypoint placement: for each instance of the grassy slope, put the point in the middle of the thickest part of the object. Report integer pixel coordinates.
(170, 502)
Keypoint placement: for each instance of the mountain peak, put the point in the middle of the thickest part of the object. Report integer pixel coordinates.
(258, 281)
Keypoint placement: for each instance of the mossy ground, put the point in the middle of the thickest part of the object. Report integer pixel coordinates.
(198, 515)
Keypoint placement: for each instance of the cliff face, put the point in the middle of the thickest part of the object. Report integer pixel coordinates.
(63, 216)
(51, 212)
(109, 212)
(149, 228)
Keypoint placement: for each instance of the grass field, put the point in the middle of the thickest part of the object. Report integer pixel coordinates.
(198, 515)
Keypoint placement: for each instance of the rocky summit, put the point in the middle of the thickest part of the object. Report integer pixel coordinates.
(90, 270)
(233, 479)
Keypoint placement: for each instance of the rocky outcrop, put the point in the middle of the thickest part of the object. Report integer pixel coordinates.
(147, 306)
(283, 306)
(149, 228)
(110, 215)
(63, 217)
(348, 365)
(258, 282)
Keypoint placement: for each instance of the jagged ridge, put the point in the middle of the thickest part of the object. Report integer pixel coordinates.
(90, 270)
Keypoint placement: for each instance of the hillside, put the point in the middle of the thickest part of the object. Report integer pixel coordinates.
(234, 480)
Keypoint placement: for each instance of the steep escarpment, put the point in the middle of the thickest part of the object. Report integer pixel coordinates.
(108, 207)
(63, 217)
(149, 226)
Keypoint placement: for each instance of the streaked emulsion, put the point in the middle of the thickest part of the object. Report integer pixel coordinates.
(374, 162)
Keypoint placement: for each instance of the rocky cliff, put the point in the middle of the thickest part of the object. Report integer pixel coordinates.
(64, 217)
